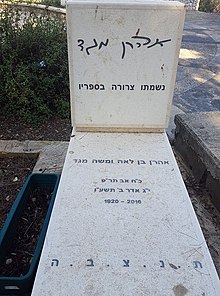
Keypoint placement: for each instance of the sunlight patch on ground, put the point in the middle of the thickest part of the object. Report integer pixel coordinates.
(189, 54)
(199, 78)
(203, 76)
(217, 77)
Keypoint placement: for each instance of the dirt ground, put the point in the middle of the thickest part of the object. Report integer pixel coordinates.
(14, 171)
(54, 129)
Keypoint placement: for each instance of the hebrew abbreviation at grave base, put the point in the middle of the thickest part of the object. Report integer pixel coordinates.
(128, 263)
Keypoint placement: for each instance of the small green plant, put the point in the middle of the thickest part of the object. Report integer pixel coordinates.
(55, 3)
(33, 65)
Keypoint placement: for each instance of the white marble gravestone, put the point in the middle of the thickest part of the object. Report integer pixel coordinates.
(123, 57)
(123, 223)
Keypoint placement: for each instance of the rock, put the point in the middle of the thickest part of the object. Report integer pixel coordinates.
(8, 261)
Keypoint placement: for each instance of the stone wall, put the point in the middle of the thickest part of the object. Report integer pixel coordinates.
(191, 4)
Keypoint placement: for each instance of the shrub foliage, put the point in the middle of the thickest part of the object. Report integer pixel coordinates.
(33, 65)
(209, 5)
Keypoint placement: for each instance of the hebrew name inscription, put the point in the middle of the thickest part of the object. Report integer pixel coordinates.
(135, 42)
(130, 161)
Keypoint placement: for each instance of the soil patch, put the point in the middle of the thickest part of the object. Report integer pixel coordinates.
(18, 258)
(13, 172)
(53, 129)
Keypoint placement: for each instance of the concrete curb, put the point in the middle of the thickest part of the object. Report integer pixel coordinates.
(51, 155)
(198, 141)
(27, 6)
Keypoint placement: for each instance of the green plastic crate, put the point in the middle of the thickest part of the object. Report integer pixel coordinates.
(23, 284)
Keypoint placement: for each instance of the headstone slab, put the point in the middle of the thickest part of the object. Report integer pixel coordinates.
(123, 58)
(123, 224)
